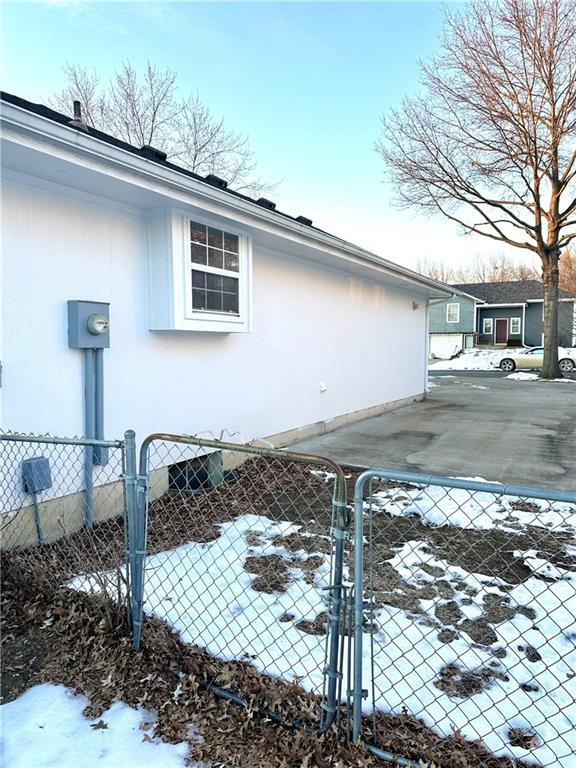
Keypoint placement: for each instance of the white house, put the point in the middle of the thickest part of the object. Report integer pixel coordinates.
(223, 311)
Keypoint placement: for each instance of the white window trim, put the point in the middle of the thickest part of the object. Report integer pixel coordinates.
(219, 319)
(170, 275)
(487, 321)
(515, 326)
(453, 304)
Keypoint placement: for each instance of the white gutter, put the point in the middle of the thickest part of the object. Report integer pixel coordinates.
(23, 121)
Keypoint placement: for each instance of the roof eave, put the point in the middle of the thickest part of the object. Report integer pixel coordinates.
(23, 120)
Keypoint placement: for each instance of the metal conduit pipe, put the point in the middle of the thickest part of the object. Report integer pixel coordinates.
(88, 360)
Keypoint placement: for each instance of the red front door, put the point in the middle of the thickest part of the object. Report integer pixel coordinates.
(501, 331)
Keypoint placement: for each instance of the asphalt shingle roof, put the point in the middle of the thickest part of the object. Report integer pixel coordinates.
(150, 154)
(508, 292)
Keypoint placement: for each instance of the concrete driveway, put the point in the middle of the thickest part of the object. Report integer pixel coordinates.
(521, 432)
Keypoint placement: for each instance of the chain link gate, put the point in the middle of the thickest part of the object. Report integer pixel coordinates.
(62, 514)
(241, 554)
(464, 622)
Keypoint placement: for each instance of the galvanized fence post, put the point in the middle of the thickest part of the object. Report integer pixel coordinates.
(141, 493)
(358, 692)
(131, 513)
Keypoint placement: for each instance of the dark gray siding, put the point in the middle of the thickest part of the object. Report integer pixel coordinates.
(499, 312)
(438, 324)
(566, 324)
(534, 325)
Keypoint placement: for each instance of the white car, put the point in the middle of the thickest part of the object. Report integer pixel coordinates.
(534, 357)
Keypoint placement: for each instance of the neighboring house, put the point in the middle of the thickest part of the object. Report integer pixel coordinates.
(510, 313)
(224, 312)
(452, 325)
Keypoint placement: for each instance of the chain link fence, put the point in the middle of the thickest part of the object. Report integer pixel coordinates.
(62, 514)
(442, 633)
(244, 560)
(465, 636)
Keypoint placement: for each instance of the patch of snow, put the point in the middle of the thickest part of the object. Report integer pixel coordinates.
(431, 385)
(44, 727)
(533, 687)
(519, 376)
(478, 510)
(473, 360)
(204, 593)
(478, 386)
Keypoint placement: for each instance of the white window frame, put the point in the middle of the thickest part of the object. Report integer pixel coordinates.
(170, 275)
(448, 307)
(201, 316)
(487, 322)
(515, 326)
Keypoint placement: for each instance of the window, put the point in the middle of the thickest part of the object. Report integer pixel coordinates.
(453, 313)
(487, 325)
(199, 273)
(515, 325)
(215, 266)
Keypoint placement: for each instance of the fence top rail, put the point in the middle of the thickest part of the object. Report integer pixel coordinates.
(498, 489)
(254, 450)
(23, 438)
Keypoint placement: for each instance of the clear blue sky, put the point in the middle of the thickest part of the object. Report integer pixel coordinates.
(306, 81)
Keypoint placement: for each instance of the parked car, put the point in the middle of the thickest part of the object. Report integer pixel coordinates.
(534, 357)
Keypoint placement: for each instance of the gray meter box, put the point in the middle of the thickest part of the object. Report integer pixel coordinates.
(88, 324)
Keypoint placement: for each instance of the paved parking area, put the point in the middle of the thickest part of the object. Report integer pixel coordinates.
(521, 432)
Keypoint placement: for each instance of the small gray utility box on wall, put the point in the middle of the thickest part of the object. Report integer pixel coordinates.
(88, 325)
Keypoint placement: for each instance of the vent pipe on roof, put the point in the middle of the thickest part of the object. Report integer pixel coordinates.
(78, 121)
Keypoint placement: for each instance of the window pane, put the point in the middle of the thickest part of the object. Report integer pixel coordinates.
(230, 302)
(215, 237)
(198, 279)
(213, 282)
(230, 242)
(214, 301)
(215, 258)
(230, 284)
(231, 262)
(197, 232)
(198, 253)
(198, 298)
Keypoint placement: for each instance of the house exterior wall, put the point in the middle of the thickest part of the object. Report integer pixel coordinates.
(311, 325)
(438, 323)
(534, 328)
(498, 313)
(567, 323)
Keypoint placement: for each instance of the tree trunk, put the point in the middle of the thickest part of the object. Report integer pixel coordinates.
(550, 369)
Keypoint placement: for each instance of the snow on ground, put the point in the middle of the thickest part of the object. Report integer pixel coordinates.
(204, 592)
(529, 686)
(45, 728)
(473, 360)
(519, 376)
(526, 675)
(479, 510)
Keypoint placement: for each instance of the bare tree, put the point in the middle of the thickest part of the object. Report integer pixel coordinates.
(496, 268)
(568, 271)
(491, 143)
(437, 270)
(146, 109)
